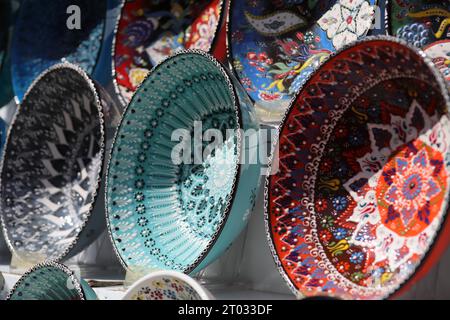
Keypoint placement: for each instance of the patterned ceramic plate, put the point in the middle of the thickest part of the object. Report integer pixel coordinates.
(51, 281)
(364, 173)
(168, 206)
(425, 24)
(275, 45)
(52, 165)
(167, 285)
(149, 31)
(45, 34)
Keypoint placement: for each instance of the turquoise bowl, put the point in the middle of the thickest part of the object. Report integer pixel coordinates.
(51, 281)
(164, 213)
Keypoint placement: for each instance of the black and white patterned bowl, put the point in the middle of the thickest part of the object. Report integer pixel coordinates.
(52, 165)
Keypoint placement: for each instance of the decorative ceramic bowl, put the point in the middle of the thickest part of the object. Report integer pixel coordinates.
(149, 31)
(167, 285)
(275, 45)
(48, 32)
(166, 208)
(425, 25)
(364, 174)
(51, 281)
(52, 165)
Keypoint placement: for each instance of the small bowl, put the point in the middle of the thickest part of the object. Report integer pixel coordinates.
(171, 213)
(362, 189)
(46, 33)
(274, 46)
(423, 24)
(147, 33)
(51, 281)
(167, 285)
(52, 165)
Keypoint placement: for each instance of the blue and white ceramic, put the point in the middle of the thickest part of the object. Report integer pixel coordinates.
(51, 281)
(50, 32)
(167, 208)
(275, 45)
(52, 165)
(167, 285)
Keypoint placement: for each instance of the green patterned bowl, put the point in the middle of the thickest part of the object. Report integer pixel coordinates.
(167, 209)
(51, 281)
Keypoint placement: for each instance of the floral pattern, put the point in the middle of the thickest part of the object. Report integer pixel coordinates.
(275, 47)
(346, 21)
(149, 31)
(166, 288)
(424, 24)
(357, 204)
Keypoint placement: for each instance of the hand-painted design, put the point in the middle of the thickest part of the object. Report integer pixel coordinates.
(168, 214)
(166, 289)
(51, 281)
(33, 52)
(276, 23)
(275, 46)
(347, 21)
(440, 53)
(148, 32)
(52, 165)
(357, 204)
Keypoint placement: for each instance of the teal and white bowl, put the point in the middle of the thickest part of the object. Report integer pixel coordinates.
(167, 285)
(166, 208)
(51, 281)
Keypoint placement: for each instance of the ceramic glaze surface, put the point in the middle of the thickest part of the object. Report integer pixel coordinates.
(49, 281)
(165, 288)
(358, 202)
(52, 165)
(424, 24)
(33, 52)
(275, 45)
(149, 31)
(166, 214)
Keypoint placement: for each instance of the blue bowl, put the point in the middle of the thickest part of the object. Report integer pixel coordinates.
(275, 46)
(43, 38)
(52, 166)
(51, 281)
(181, 213)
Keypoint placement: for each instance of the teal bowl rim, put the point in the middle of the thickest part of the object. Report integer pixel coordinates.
(224, 12)
(52, 264)
(92, 86)
(234, 187)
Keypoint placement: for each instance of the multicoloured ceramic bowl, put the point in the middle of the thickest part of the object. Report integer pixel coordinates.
(364, 173)
(51, 281)
(50, 32)
(175, 201)
(424, 24)
(52, 165)
(167, 285)
(275, 45)
(149, 31)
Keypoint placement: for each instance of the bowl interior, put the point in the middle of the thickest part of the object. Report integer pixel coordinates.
(52, 165)
(45, 34)
(149, 31)
(167, 202)
(163, 288)
(275, 46)
(46, 283)
(356, 207)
